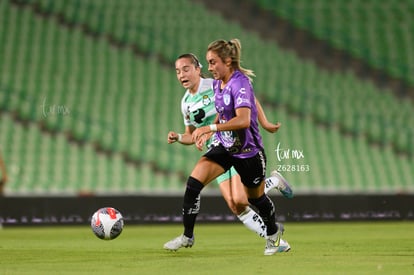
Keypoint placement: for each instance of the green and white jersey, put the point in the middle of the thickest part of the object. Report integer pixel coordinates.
(199, 109)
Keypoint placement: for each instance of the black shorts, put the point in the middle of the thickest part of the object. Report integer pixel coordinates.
(252, 170)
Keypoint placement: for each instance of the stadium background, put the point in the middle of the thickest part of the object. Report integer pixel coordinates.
(88, 93)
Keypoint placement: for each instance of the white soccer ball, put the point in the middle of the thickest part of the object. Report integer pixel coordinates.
(107, 223)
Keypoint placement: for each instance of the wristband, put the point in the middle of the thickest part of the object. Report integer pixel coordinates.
(180, 137)
(213, 127)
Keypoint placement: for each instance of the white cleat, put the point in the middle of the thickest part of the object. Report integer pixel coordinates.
(283, 246)
(282, 184)
(177, 243)
(275, 244)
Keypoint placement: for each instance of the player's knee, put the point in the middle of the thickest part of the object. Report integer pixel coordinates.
(239, 207)
(234, 208)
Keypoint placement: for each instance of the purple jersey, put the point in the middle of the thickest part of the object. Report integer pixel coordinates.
(238, 93)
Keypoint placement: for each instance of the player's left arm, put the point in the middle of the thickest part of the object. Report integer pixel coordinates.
(266, 124)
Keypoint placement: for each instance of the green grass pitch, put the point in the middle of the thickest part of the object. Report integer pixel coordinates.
(317, 248)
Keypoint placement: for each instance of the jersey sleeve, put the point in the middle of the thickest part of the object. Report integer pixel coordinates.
(242, 94)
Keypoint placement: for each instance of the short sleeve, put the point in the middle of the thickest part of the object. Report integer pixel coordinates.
(242, 94)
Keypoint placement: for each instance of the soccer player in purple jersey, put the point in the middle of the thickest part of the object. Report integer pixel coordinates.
(240, 144)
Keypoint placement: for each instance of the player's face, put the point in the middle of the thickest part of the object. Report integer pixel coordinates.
(217, 67)
(187, 74)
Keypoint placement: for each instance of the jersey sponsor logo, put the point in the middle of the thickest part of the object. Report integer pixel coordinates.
(198, 116)
(241, 100)
(233, 150)
(242, 90)
(227, 139)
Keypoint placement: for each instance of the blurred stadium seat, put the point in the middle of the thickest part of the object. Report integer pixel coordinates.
(381, 32)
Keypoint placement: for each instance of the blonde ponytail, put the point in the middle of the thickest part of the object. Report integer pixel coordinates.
(230, 49)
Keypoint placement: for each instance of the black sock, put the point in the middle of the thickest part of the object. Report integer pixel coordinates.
(266, 210)
(191, 205)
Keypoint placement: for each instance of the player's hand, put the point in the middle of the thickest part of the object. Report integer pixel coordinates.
(201, 141)
(271, 127)
(199, 132)
(172, 137)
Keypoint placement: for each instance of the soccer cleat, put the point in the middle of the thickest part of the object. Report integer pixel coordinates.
(283, 246)
(274, 244)
(180, 241)
(282, 185)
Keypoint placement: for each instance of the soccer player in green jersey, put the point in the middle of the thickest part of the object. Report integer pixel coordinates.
(198, 109)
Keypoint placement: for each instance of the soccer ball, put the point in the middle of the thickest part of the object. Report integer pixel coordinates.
(107, 223)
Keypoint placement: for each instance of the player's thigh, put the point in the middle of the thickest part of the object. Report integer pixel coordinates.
(206, 170)
(252, 170)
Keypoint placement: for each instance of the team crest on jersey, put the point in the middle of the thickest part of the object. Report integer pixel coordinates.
(206, 100)
(226, 99)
